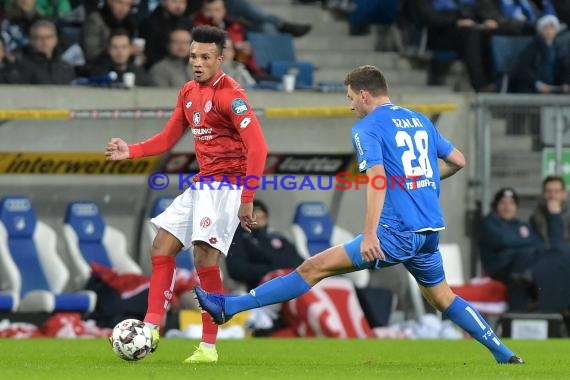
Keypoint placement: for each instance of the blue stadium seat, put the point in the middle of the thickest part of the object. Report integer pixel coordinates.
(8, 301)
(29, 257)
(184, 257)
(275, 53)
(89, 239)
(505, 50)
(314, 231)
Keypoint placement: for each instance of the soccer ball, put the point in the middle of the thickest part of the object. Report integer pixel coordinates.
(131, 339)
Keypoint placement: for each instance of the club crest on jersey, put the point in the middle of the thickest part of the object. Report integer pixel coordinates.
(196, 118)
(239, 106)
(208, 106)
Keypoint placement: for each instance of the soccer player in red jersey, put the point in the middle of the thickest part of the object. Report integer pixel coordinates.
(229, 145)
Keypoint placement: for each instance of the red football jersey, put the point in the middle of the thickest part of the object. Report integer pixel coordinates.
(227, 135)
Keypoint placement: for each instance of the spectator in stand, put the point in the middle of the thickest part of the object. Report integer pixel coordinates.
(174, 70)
(19, 16)
(459, 26)
(41, 63)
(551, 217)
(156, 29)
(99, 25)
(509, 248)
(119, 59)
(543, 66)
(214, 13)
(8, 70)
(508, 245)
(255, 19)
(518, 16)
(235, 69)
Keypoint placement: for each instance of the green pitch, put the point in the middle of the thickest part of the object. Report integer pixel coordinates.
(284, 359)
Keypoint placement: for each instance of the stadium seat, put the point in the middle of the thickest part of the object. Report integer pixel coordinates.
(452, 264)
(275, 53)
(314, 231)
(89, 240)
(8, 301)
(184, 258)
(505, 50)
(29, 259)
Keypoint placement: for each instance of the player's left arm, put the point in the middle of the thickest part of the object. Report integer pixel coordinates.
(451, 164)
(375, 196)
(246, 123)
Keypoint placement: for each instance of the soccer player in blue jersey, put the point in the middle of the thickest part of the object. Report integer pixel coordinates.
(404, 157)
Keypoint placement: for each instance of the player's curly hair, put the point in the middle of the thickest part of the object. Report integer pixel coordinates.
(368, 78)
(210, 34)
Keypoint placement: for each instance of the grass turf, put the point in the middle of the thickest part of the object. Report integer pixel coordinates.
(284, 359)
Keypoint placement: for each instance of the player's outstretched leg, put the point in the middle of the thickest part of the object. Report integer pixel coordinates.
(280, 289)
(468, 318)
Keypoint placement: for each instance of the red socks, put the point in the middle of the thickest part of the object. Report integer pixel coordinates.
(210, 281)
(161, 287)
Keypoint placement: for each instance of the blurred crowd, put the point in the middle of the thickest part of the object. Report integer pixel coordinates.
(95, 42)
(445, 31)
(92, 42)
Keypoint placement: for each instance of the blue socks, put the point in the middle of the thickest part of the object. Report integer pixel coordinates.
(469, 319)
(279, 289)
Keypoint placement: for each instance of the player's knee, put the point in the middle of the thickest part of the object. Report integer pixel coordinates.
(311, 271)
(205, 255)
(160, 249)
(442, 300)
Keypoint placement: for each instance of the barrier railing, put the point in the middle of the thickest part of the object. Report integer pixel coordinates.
(162, 113)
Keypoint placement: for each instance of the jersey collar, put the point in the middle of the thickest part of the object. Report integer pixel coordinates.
(214, 81)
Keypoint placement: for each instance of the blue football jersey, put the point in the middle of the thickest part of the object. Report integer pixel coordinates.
(408, 145)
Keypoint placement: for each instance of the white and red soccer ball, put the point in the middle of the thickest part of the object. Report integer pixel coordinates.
(131, 339)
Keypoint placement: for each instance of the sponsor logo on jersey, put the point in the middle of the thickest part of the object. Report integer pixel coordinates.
(196, 118)
(189, 104)
(239, 106)
(208, 106)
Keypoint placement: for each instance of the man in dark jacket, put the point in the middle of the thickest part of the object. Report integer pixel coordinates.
(252, 256)
(41, 63)
(156, 29)
(551, 217)
(8, 70)
(507, 245)
(118, 59)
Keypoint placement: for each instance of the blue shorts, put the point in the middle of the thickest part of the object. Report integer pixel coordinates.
(418, 251)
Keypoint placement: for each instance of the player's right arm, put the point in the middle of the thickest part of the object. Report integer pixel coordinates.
(370, 246)
(117, 149)
(451, 164)
(368, 148)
